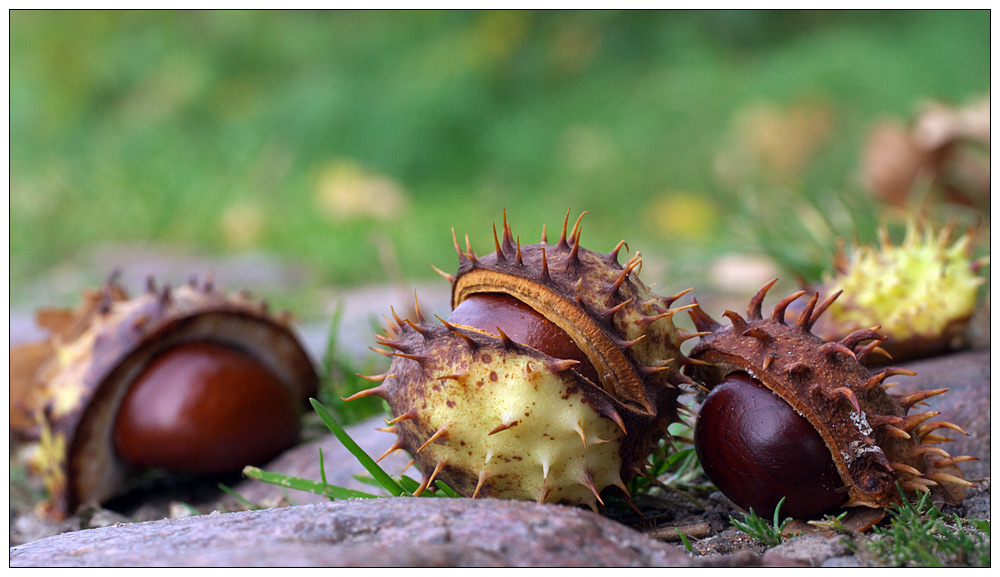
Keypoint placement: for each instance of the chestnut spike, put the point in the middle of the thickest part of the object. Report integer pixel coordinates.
(768, 360)
(452, 377)
(612, 257)
(913, 485)
(932, 439)
(503, 427)
(562, 236)
(670, 300)
(574, 254)
(508, 236)
(583, 435)
(407, 416)
(395, 317)
(419, 329)
(518, 259)
(873, 348)
(832, 349)
(756, 303)
(859, 336)
(924, 449)
(894, 431)
(822, 308)
(409, 464)
(545, 268)
(560, 365)
(588, 482)
(508, 343)
(846, 393)
(611, 312)
(631, 343)
(914, 398)
(496, 241)
(805, 317)
(151, 285)
(391, 429)
(778, 312)
(702, 321)
(545, 237)
(416, 308)
(479, 483)
(906, 469)
(910, 422)
(797, 368)
(462, 257)
(758, 333)
(574, 236)
(395, 447)
(442, 432)
(946, 478)
(437, 469)
(450, 277)
(379, 391)
(689, 336)
(634, 262)
(739, 323)
(925, 428)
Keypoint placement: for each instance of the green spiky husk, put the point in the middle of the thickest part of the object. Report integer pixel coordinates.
(492, 417)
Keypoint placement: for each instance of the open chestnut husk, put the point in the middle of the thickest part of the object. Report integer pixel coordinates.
(769, 372)
(555, 376)
(189, 380)
(922, 292)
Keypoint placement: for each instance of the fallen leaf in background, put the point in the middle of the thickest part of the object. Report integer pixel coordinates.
(345, 190)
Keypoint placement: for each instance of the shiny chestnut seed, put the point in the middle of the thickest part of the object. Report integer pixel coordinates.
(523, 325)
(205, 408)
(756, 449)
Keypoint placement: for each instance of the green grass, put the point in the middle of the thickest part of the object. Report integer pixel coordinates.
(162, 127)
(920, 535)
(397, 487)
(769, 534)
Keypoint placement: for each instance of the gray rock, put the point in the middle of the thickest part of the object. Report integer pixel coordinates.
(809, 550)
(376, 532)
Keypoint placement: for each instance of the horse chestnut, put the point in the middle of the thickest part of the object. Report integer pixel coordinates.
(189, 379)
(756, 449)
(785, 405)
(203, 407)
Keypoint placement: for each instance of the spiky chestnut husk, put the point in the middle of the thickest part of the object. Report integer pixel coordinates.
(922, 292)
(493, 417)
(872, 440)
(74, 389)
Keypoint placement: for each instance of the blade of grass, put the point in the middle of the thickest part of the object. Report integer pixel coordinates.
(366, 461)
(246, 502)
(330, 491)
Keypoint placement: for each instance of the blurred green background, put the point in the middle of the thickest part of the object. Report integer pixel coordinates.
(340, 141)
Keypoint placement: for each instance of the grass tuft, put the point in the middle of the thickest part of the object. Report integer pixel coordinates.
(920, 535)
(767, 533)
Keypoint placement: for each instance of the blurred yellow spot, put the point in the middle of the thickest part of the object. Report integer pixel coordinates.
(501, 32)
(683, 215)
(345, 190)
(242, 224)
(773, 143)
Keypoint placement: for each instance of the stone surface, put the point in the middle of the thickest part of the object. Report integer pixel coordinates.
(377, 532)
(806, 550)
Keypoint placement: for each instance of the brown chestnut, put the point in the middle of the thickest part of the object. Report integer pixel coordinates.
(492, 311)
(190, 379)
(203, 407)
(756, 449)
